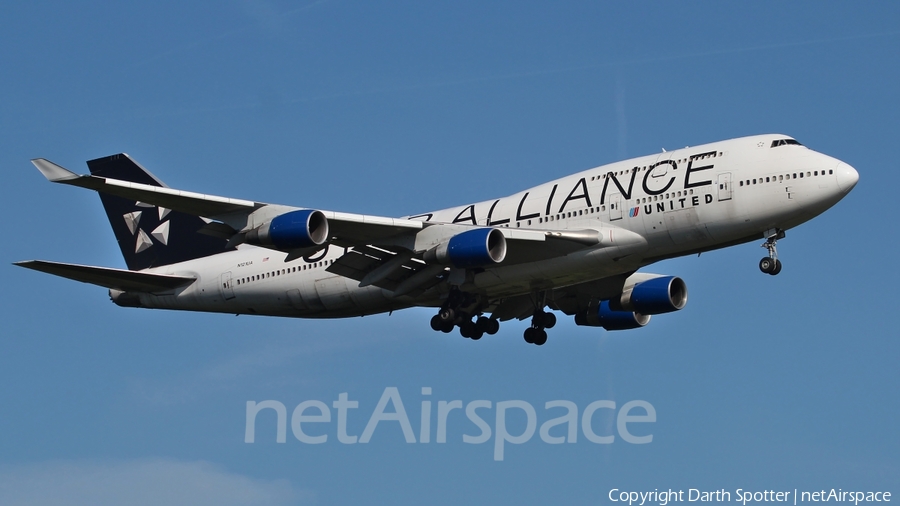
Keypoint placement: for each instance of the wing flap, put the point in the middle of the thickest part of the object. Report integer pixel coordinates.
(361, 262)
(118, 279)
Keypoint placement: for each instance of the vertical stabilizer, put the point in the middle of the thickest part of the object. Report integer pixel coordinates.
(148, 235)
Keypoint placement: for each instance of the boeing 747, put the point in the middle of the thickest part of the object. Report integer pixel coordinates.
(573, 245)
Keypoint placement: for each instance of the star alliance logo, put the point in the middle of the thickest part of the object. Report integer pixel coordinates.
(143, 241)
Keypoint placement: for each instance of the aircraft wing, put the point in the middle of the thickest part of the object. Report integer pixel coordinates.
(235, 217)
(118, 279)
(349, 229)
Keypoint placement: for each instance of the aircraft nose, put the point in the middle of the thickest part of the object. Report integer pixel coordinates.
(847, 177)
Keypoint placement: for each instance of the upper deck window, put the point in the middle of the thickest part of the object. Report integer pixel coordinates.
(785, 142)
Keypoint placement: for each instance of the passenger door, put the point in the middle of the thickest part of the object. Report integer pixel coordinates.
(615, 207)
(725, 190)
(226, 286)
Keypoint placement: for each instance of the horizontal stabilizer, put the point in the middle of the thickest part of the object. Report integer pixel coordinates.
(118, 279)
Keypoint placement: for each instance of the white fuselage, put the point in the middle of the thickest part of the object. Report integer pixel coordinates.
(675, 203)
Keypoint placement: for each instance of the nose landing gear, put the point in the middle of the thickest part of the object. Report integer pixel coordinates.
(771, 264)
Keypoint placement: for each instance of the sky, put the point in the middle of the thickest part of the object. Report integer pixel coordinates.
(396, 108)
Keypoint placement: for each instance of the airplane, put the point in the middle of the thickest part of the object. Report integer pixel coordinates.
(573, 245)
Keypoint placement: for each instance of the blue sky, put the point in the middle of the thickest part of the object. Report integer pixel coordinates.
(402, 107)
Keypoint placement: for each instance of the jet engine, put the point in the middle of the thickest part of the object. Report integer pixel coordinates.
(656, 295)
(642, 295)
(599, 314)
(290, 231)
(474, 248)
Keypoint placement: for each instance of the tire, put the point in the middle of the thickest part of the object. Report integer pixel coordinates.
(529, 335)
(549, 320)
(436, 323)
(766, 265)
(477, 335)
(447, 328)
(493, 326)
(777, 268)
(481, 324)
(540, 337)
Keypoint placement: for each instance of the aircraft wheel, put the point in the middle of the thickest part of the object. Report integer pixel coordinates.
(493, 326)
(529, 335)
(767, 265)
(436, 323)
(447, 315)
(540, 337)
(549, 320)
(476, 335)
(777, 267)
(447, 328)
(467, 329)
(481, 324)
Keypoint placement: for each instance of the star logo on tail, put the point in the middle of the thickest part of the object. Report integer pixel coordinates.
(144, 241)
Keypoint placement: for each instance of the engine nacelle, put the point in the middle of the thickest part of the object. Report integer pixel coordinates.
(125, 299)
(474, 248)
(601, 315)
(305, 228)
(658, 295)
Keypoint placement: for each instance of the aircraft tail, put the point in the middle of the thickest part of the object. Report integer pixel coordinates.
(148, 235)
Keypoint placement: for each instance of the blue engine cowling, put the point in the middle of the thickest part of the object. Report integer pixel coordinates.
(658, 295)
(474, 248)
(306, 228)
(602, 315)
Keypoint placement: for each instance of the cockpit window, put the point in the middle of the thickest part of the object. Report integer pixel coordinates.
(785, 142)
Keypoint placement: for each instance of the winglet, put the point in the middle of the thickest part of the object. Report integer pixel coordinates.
(53, 172)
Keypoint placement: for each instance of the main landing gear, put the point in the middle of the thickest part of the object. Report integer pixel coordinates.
(447, 319)
(535, 334)
(771, 264)
(458, 311)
